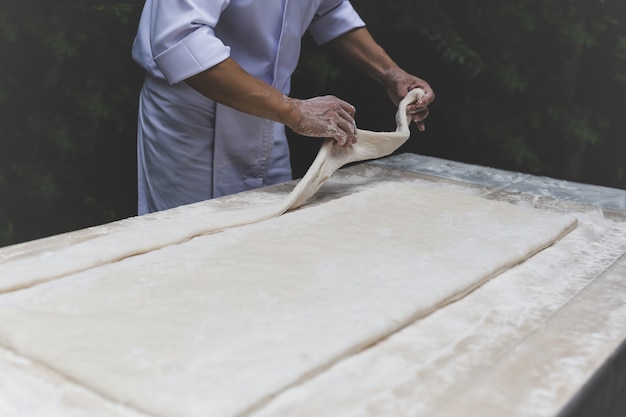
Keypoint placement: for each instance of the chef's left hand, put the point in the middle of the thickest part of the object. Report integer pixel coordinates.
(399, 84)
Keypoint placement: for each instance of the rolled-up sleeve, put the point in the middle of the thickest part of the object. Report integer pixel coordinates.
(334, 18)
(182, 37)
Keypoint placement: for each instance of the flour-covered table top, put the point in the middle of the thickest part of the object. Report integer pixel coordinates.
(535, 341)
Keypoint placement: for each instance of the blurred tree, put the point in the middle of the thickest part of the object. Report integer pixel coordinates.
(525, 85)
(67, 95)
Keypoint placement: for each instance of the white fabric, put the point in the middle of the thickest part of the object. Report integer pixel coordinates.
(179, 38)
(219, 324)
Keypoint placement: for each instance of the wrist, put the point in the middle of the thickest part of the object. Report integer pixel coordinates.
(390, 78)
(291, 115)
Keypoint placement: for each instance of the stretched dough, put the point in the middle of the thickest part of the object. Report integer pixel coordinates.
(219, 324)
(25, 272)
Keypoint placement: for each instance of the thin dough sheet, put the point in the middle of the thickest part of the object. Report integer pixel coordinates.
(219, 324)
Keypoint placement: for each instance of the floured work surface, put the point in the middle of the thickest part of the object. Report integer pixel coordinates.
(223, 323)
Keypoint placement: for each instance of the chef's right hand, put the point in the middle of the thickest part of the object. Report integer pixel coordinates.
(325, 117)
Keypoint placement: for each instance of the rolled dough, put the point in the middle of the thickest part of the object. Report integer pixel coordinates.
(220, 324)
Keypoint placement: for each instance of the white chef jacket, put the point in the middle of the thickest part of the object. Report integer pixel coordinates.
(191, 148)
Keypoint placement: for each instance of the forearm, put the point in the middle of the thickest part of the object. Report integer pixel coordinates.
(229, 84)
(360, 49)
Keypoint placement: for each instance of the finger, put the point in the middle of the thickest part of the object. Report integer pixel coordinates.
(421, 115)
(347, 123)
(338, 135)
(348, 129)
(347, 112)
(348, 108)
(415, 108)
(427, 98)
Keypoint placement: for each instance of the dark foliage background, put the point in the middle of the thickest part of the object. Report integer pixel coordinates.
(525, 85)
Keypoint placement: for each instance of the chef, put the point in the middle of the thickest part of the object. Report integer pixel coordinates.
(215, 99)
